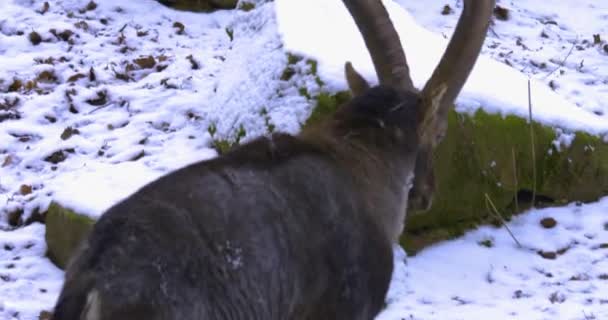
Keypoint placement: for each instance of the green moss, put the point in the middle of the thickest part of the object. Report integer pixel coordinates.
(288, 73)
(313, 66)
(189, 6)
(319, 82)
(293, 58)
(267, 121)
(65, 231)
(247, 6)
(222, 146)
(488, 243)
(230, 33)
(327, 104)
(212, 129)
(304, 93)
(240, 134)
(309, 68)
(490, 154)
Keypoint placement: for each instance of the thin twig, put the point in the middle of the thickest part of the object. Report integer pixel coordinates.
(561, 64)
(491, 28)
(515, 178)
(504, 223)
(532, 144)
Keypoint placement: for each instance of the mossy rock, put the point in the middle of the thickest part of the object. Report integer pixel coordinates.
(200, 5)
(65, 230)
(488, 156)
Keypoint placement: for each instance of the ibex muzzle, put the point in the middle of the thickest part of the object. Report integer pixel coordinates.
(283, 227)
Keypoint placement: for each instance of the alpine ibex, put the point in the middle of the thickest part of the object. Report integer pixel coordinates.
(283, 227)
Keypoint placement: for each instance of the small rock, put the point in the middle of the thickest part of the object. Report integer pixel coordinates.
(45, 8)
(179, 26)
(82, 25)
(46, 76)
(91, 6)
(597, 39)
(68, 133)
(548, 223)
(8, 160)
(557, 297)
(519, 294)
(56, 157)
(25, 189)
(15, 86)
(488, 243)
(76, 77)
(563, 250)
(35, 38)
(45, 315)
(14, 218)
(501, 13)
(65, 34)
(102, 99)
(580, 277)
(145, 62)
(548, 254)
(195, 65)
(447, 10)
(92, 76)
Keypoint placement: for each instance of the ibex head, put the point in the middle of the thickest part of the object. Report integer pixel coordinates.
(440, 91)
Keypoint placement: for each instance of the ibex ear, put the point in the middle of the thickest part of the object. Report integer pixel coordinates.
(430, 126)
(356, 83)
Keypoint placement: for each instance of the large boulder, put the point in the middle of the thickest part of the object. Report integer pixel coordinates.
(65, 231)
(486, 160)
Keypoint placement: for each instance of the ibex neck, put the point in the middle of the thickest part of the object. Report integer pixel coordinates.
(383, 177)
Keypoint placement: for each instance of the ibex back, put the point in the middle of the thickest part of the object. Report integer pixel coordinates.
(283, 227)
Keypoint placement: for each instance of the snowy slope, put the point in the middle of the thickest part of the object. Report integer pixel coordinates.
(551, 41)
(485, 275)
(216, 77)
(138, 118)
(493, 85)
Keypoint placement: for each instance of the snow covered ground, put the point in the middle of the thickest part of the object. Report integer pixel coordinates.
(558, 273)
(492, 84)
(96, 100)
